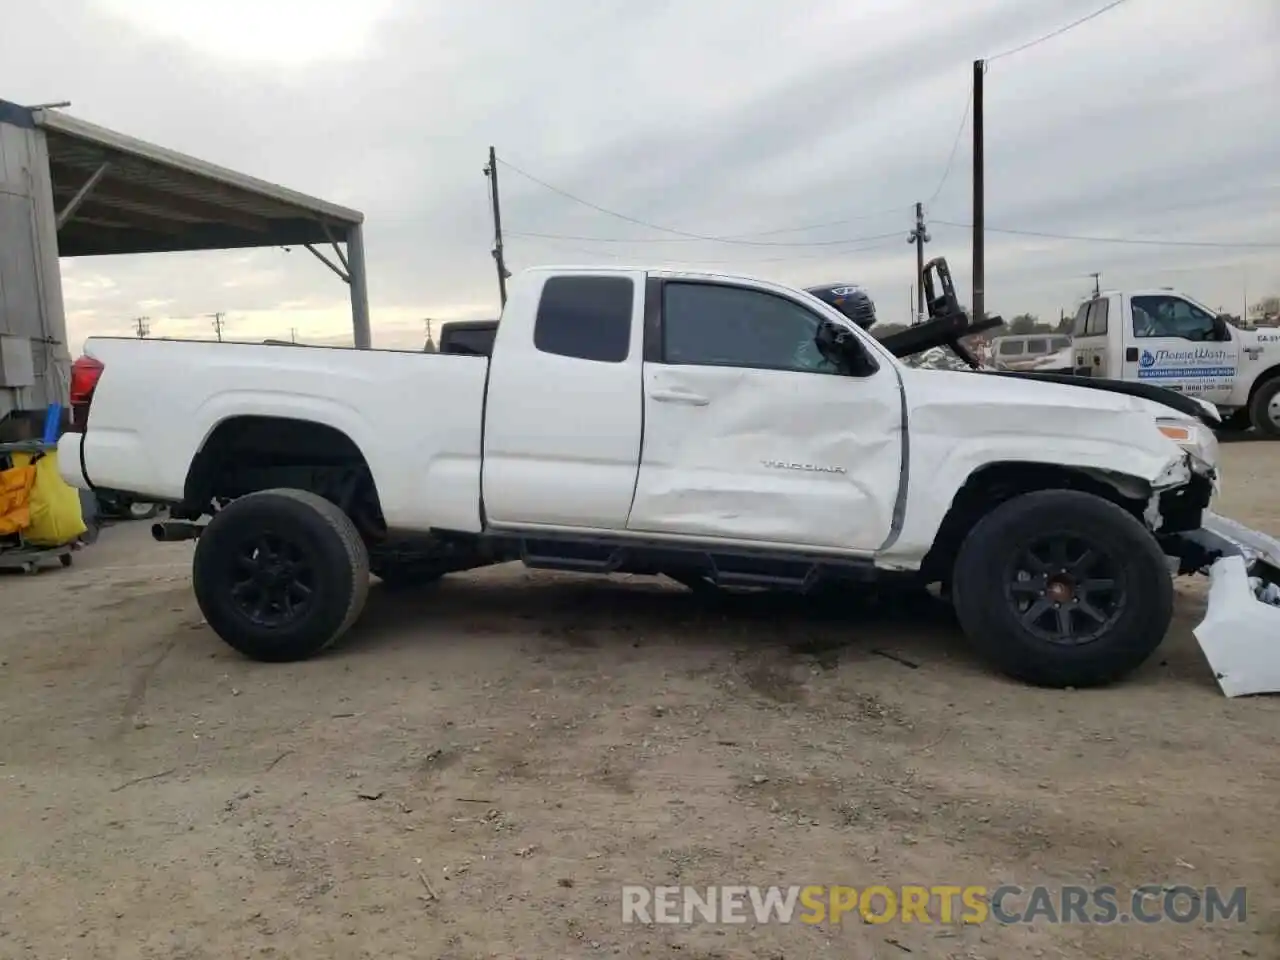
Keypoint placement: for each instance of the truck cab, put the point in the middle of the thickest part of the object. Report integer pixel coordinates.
(1166, 338)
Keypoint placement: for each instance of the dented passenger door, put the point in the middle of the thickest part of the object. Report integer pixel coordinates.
(751, 435)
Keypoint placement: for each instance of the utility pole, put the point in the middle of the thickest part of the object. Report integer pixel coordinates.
(1097, 284)
(919, 236)
(491, 171)
(293, 334)
(979, 209)
(142, 326)
(218, 325)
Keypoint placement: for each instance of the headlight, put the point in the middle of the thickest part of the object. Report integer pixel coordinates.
(1195, 438)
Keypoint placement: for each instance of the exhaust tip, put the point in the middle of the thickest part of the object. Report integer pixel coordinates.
(175, 531)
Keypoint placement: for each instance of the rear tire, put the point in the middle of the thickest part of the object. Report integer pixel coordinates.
(1264, 408)
(1045, 615)
(280, 574)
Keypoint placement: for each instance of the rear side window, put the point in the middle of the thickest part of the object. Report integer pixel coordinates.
(1037, 346)
(1096, 323)
(1012, 348)
(588, 318)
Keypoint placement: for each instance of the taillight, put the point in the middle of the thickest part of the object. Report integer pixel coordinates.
(85, 373)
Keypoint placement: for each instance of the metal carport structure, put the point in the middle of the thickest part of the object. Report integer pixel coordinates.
(114, 194)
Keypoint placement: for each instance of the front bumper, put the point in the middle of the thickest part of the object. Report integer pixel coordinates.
(1240, 633)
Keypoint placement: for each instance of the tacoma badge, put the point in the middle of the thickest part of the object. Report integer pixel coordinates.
(809, 467)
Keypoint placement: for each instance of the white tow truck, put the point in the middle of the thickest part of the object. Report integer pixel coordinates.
(722, 431)
(1166, 338)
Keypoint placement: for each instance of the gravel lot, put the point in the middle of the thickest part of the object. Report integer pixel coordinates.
(478, 769)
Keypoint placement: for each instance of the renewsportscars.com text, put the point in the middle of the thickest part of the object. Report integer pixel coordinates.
(1006, 904)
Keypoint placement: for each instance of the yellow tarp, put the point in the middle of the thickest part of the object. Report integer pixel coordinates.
(15, 499)
(56, 517)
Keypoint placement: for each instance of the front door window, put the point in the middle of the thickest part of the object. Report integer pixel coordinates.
(1169, 316)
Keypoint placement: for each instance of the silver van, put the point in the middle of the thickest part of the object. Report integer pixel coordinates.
(1021, 351)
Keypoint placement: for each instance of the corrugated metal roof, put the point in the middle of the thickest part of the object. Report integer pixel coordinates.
(151, 199)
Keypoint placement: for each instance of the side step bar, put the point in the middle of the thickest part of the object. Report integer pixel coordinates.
(748, 568)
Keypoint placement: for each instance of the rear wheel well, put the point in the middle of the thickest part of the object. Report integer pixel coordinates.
(246, 454)
(994, 484)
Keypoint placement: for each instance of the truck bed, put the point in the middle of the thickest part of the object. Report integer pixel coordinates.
(416, 417)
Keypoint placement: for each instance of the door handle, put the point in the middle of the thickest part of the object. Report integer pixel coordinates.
(679, 396)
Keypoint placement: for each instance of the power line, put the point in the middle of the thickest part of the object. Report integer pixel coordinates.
(1129, 240)
(776, 243)
(819, 226)
(1056, 33)
(556, 241)
(955, 145)
(735, 261)
(595, 206)
(683, 236)
(968, 106)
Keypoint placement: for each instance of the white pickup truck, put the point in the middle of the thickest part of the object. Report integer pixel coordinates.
(722, 431)
(1166, 338)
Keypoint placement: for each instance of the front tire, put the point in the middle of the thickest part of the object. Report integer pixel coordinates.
(1264, 408)
(1063, 589)
(280, 574)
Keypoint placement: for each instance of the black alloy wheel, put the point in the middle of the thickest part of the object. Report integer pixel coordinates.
(272, 580)
(280, 574)
(1064, 590)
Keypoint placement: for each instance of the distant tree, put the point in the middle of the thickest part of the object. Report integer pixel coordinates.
(1266, 307)
(1028, 323)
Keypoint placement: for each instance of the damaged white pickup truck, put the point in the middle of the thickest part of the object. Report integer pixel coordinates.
(717, 430)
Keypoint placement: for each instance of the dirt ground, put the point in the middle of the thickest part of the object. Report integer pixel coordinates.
(478, 769)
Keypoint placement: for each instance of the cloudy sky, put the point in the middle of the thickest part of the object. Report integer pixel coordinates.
(805, 131)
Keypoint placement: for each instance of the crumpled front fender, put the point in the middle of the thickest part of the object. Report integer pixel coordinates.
(1240, 633)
